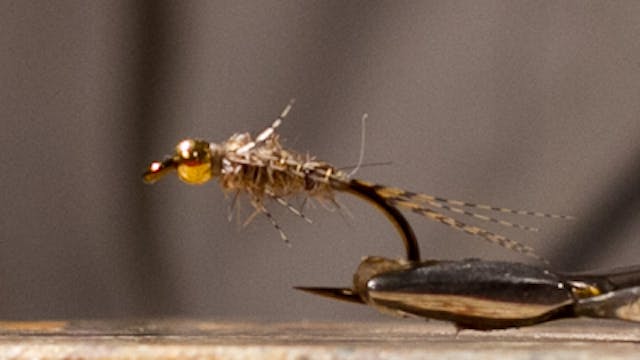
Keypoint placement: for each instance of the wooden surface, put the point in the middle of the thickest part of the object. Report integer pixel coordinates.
(406, 339)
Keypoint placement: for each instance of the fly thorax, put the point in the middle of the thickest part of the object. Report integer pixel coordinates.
(217, 157)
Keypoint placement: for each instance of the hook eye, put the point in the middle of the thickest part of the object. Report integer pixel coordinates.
(158, 169)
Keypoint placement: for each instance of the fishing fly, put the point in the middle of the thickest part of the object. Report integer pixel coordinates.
(263, 169)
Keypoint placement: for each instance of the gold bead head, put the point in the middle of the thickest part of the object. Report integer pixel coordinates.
(193, 158)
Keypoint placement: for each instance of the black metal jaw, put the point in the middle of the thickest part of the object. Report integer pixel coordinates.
(470, 293)
(487, 295)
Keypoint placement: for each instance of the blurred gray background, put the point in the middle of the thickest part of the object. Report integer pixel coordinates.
(523, 104)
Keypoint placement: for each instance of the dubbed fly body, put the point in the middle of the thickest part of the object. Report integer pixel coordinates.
(262, 168)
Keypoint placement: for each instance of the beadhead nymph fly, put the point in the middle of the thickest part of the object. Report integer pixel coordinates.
(263, 169)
